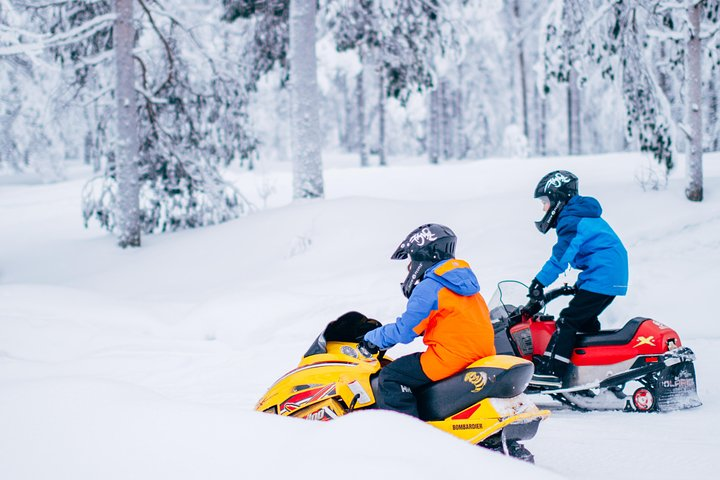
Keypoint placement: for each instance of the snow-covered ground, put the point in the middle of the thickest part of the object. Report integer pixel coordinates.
(146, 364)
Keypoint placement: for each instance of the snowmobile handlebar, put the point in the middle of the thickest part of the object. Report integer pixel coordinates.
(559, 292)
(533, 307)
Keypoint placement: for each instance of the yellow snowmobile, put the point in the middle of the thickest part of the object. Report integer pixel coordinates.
(483, 405)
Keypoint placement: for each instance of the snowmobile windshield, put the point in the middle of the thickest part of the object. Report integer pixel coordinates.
(508, 297)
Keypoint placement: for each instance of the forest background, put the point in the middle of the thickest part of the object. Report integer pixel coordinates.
(162, 97)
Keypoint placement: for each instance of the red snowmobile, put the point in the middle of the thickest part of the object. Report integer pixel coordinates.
(641, 367)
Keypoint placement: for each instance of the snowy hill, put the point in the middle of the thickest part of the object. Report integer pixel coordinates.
(147, 363)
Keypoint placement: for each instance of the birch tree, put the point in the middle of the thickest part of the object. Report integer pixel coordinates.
(518, 15)
(361, 108)
(381, 105)
(128, 178)
(693, 73)
(305, 116)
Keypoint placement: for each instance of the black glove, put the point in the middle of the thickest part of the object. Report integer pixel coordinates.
(368, 349)
(535, 292)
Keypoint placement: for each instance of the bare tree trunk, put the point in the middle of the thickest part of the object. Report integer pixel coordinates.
(382, 98)
(521, 67)
(693, 77)
(88, 153)
(713, 112)
(361, 123)
(540, 102)
(462, 141)
(345, 115)
(351, 120)
(573, 104)
(305, 124)
(433, 131)
(446, 116)
(128, 178)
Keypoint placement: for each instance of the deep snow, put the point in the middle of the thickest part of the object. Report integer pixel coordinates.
(147, 363)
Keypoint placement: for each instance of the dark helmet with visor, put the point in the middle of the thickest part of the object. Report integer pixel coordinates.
(556, 189)
(426, 245)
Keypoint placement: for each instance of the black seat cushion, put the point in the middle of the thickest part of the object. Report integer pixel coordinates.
(454, 394)
(611, 337)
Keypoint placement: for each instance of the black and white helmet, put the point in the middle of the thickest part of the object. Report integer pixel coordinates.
(556, 188)
(426, 245)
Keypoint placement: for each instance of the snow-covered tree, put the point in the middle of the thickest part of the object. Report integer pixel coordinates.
(190, 110)
(399, 40)
(284, 34)
(693, 81)
(305, 117)
(267, 23)
(603, 37)
(30, 138)
(127, 170)
(643, 45)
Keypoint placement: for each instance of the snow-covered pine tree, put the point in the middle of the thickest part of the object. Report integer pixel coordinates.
(267, 22)
(30, 137)
(190, 111)
(689, 32)
(305, 116)
(604, 36)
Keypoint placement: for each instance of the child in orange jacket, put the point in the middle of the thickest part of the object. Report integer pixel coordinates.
(444, 306)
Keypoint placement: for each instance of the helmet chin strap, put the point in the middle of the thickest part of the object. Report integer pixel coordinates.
(415, 274)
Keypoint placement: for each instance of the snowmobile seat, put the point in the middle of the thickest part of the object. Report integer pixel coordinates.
(454, 394)
(611, 337)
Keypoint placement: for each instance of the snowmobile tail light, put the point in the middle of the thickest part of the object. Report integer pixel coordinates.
(651, 359)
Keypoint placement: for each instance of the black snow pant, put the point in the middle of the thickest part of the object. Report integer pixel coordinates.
(581, 315)
(397, 381)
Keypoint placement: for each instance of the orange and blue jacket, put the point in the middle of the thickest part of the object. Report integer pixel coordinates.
(446, 308)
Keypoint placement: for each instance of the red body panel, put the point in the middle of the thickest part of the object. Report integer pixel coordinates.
(651, 338)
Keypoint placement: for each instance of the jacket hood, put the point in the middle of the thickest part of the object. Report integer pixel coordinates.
(586, 207)
(455, 275)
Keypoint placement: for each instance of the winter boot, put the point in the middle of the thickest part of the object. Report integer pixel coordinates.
(545, 376)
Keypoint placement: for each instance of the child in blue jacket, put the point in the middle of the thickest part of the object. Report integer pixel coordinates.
(587, 243)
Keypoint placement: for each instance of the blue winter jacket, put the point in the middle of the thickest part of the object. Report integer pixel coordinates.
(587, 243)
